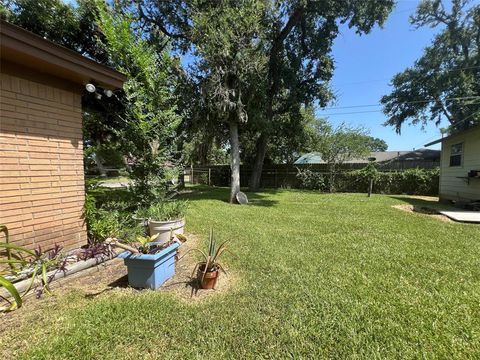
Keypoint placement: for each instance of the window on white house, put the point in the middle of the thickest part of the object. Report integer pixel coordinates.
(456, 153)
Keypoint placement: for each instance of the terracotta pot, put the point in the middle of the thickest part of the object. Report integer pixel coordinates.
(209, 280)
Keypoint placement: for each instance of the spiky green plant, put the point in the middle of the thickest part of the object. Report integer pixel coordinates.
(210, 262)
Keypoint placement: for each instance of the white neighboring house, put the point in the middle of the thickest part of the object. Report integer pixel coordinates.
(460, 166)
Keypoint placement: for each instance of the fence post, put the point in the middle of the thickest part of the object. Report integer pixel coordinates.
(191, 174)
(370, 187)
(209, 175)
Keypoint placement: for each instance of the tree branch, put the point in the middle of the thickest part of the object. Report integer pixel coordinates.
(160, 25)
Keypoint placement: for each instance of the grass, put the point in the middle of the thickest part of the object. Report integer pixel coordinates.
(109, 180)
(320, 276)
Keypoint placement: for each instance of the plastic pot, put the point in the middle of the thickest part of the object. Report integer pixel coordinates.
(150, 270)
(163, 229)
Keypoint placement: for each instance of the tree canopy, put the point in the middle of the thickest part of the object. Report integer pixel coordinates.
(444, 83)
(295, 38)
(336, 145)
(250, 70)
(57, 21)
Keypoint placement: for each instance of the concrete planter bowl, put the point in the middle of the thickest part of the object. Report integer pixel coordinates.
(150, 271)
(163, 228)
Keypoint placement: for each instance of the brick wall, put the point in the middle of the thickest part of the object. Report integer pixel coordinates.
(41, 163)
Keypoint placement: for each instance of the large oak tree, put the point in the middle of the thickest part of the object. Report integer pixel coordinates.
(444, 83)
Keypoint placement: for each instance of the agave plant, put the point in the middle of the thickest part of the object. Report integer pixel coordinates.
(209, 263)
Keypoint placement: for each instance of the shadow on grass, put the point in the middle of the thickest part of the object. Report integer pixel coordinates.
(191, 283)
(202, 192)
(122, 283)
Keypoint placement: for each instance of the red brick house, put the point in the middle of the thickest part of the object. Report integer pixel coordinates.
(41, 148)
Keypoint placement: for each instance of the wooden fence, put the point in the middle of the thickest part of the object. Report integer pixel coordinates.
(285, 175)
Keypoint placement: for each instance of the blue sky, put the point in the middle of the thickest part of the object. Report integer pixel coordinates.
(364, 66)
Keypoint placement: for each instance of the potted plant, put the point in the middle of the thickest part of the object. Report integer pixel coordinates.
(149, 263)
(165, 217)
(208, 269)
(140, 216)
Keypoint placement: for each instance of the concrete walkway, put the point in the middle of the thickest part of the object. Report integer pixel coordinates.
(462, 216)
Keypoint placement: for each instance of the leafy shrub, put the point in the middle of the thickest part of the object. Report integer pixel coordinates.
(112, 219)
(311, 180)
(203, 179)
(411, 181)
(103, 225)
(167, 210)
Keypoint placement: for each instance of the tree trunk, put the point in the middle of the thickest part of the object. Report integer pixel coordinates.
(234, 161)
(274, 83)
(261, 150)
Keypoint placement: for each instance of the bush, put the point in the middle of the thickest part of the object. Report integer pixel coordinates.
(311, 180)
(410, 182)
(167, 210)
(109, 220)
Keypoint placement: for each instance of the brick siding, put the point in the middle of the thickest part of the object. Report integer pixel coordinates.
(41, 163)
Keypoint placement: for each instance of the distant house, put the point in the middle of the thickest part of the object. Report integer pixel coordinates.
(423, 158)
(460, 166)
(41, 155)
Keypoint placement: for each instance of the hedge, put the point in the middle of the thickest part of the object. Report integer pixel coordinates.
(411, 181)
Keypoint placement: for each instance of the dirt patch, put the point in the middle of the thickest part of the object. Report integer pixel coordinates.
(424, 198)
(186, 288)
(111, 277)
(423, 210)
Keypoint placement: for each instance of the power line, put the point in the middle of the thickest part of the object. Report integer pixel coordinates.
(353, 112)
(386, 79)
(404, 103)
(369, 111)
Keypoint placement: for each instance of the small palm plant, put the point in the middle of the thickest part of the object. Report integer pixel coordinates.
(208, 268)
(144, 243)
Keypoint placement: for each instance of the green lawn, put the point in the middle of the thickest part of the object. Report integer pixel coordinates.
(318, 276)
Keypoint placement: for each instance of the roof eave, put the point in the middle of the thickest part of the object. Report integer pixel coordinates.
(28, 49)
(435, 142)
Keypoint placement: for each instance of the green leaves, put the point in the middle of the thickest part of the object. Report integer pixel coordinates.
(148, 134)
(13, 292)
(33, 263)
(167, 210)
(444, 82)
(210, 258)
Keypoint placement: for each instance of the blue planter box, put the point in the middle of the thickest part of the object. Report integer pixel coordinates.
(150, 271)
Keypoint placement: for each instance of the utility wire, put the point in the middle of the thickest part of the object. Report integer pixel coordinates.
(404, 103)
(387, 79)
